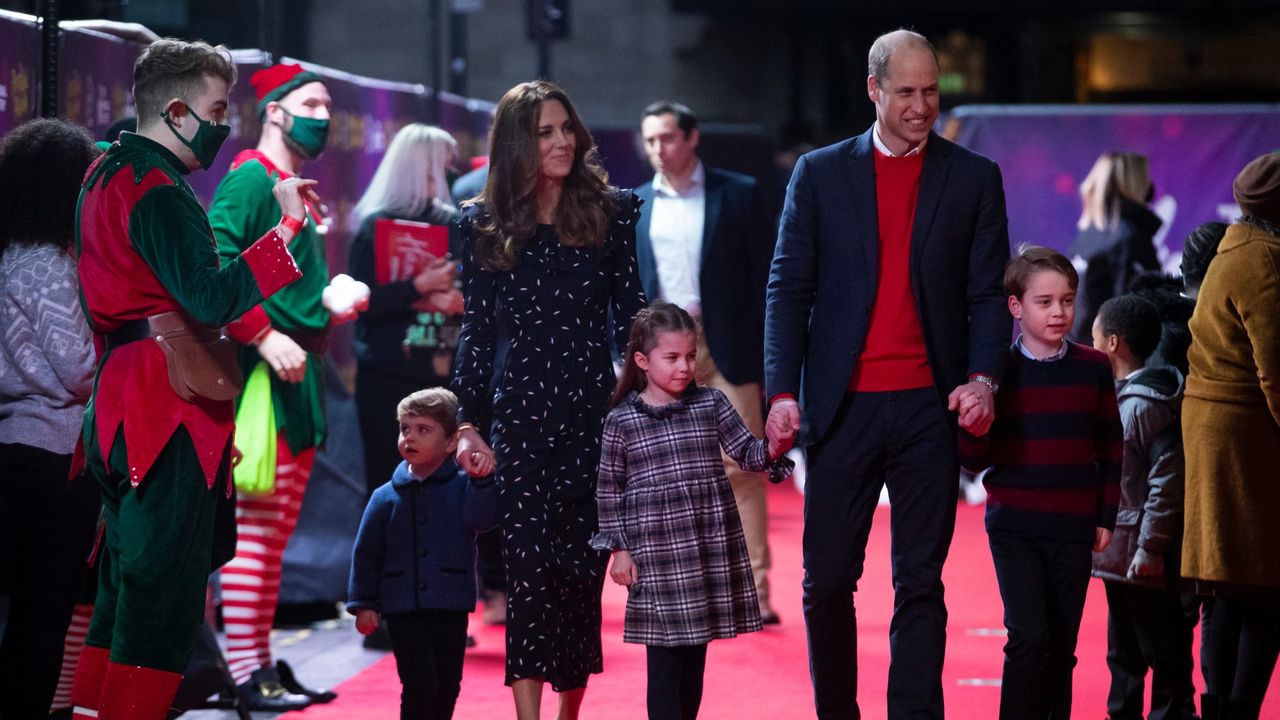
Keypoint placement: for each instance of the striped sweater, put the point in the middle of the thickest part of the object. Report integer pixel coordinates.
(1054, 450)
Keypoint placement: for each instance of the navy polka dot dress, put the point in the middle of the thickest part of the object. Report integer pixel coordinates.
(557, 306)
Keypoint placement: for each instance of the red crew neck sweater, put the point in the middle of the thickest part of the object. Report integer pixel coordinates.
(894, 357)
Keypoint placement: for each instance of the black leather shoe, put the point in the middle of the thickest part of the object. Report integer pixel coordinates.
(290, 683)
(263, 692)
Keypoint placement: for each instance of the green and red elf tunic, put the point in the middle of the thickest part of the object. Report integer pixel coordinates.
(243, 208)
(144, 247)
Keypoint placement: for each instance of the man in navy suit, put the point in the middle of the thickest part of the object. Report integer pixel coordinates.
(886, 313)
(704, 242)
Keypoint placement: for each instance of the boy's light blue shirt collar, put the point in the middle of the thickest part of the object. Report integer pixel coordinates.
(1053, 357)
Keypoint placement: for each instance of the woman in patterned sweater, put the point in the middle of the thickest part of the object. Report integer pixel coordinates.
(667, 509)
(46, 373)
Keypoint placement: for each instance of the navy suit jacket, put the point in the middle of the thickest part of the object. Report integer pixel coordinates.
(737, 246)
(823, 281)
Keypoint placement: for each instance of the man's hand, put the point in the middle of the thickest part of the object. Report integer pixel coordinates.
(366, 621)
(283, 356)
(1146, 564)
(623, 571)
(781, 426)
(293, 194)
(976, 407)
(437, 276)
(474, 455)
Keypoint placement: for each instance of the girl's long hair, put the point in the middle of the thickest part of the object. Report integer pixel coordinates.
(416, 159)
(509, 196)
(658, 317)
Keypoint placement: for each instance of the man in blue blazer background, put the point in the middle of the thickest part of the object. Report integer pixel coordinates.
(704, 242)
(885, 313)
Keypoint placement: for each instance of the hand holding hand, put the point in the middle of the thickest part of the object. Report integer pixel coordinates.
(474, 455)
(623, 570)
(437, 276)
(1146, 564)
(284, 356)
(366, 621)
(782, 424)
(293, 194)
(975, 404)
(1101, 539)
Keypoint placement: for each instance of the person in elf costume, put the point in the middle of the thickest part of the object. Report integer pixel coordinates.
(282, 344)
(158, 427)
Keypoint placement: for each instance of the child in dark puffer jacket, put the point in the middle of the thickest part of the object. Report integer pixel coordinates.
(1145, 625)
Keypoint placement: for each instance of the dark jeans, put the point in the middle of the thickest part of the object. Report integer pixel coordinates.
(429, 646)
(46, 532)
(1241, 644)
(902, 441)
(1043, 585)
(675, 681)
(1146, 628)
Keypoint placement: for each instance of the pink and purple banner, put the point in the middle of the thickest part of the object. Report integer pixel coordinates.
(1045, 151)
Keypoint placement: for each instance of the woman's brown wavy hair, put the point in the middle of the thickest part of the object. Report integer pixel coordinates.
(510, 202)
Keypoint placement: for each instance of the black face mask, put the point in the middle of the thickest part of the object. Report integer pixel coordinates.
(207, 140)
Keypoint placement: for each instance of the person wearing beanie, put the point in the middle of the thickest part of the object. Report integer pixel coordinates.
(283, 340)
(1231, 431)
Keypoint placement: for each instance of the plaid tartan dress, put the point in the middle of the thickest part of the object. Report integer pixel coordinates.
(663, 495)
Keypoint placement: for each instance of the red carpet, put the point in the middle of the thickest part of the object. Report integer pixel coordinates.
(765, 675)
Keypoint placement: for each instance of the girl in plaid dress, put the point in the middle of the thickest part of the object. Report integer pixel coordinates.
(667, 510)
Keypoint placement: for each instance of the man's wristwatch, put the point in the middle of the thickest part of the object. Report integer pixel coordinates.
(986, 380)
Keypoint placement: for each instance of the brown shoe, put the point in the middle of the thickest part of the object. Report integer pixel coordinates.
(769, 616)
(495, 608)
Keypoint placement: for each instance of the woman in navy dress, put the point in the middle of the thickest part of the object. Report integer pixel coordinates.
(548, 250)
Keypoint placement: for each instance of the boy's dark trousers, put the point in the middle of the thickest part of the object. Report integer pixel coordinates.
(675, 681)
(429, 646)
(1043, 585)
(1146, 628)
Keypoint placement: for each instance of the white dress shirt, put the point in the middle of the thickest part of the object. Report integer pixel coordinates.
(675, 231)
(875, 140)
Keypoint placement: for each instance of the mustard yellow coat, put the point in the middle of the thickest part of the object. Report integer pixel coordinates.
(1231, 416)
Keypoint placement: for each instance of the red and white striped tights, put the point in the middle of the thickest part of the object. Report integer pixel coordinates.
(251, 581)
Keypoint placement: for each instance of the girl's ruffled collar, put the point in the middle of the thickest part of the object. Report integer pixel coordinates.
(679, 406)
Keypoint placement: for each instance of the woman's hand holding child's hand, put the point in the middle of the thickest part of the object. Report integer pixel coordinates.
(623, 570)
(366, 621)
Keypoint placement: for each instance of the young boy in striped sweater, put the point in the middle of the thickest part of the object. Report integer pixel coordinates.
(1054, 455)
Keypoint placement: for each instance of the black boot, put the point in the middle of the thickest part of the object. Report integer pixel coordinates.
(290, 683)
(1233, 709)
(263, 692)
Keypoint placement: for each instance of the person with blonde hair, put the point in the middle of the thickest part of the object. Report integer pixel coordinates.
(405, 340)
(1115, 233)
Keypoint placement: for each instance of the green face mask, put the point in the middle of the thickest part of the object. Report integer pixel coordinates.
(207, 140)
(309, 135)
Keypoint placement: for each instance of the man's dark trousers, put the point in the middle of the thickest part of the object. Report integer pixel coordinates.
(901, 440)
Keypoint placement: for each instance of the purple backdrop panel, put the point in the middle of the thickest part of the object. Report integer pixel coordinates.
(1045, 151)
(96, 87)
(19, 70)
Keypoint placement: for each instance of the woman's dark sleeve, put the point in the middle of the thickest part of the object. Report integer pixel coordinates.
(473, 365)
(628, 294)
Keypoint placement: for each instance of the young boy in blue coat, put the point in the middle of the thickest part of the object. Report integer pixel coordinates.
(415, 554)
